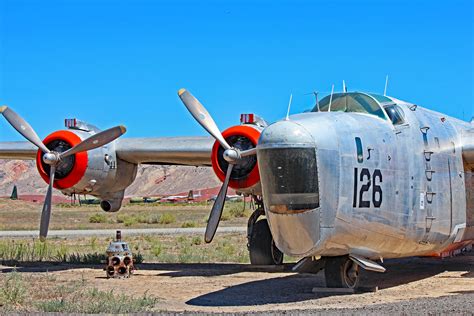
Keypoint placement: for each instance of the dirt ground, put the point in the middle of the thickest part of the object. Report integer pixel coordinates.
(413, 285)
(22, 215)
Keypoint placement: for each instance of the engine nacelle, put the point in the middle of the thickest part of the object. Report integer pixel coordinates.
(111, 205)
(245, 177)
(98, 172)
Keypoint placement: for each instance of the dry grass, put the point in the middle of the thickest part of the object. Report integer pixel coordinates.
(21, 215)
(148, 248)
(19, 294)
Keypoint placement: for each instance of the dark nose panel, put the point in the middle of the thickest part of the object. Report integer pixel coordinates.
(287, 160)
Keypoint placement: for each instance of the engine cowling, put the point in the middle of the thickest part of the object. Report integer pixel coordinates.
(98, 172)
(245, 177)
(111, 205)
(71, 169)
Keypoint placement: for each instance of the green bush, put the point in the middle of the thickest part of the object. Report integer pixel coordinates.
(121, 218)
(188, 224)
(156, 249)
(98, 218)
(95, 301)
(225, 216)
(237, 210)
(153, 219)
(196, 240)
(130, 220)
(167, 218)
(13, 291)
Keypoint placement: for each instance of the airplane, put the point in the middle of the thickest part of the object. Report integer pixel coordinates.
(145, 199)
(360, 178)
(231, 198)
(176, 198)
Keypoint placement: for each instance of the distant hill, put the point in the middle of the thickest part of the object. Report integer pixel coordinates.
(151, 180)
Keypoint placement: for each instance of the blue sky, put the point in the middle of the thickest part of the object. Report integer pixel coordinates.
(121, 62)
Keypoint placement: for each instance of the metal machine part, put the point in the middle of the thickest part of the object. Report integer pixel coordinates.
(120, 262)
(65, 160)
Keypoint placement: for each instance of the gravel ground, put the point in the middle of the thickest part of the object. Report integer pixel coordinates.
(410, 286)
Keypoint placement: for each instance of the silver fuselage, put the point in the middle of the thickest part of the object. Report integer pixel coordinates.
(402, 194)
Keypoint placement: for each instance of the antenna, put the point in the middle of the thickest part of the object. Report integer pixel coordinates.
(317, 101)
(386, 84)
(344, 88)
(330, 98)
(289, 105)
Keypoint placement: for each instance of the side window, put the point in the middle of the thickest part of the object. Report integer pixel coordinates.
(395, 114)
(360, 156)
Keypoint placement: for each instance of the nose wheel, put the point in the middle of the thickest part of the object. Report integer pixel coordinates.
(341, 272)
(261, 246)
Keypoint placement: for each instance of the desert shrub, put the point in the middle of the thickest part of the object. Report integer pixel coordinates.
(98, 218)
(153, 219)
(86, 258)
(138, 257)
(237, 210)
(94, 301)
(13, 291)
(130, 220)
(188, 224)
(127, 220)
(185, 255)
(156, 249)
(121, 218)
(225, 216)
(196, 240)
(167, 218)
(142, 218)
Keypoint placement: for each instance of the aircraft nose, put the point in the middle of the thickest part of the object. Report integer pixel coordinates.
(286, 154)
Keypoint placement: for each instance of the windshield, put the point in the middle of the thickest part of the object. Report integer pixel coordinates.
(355, 102)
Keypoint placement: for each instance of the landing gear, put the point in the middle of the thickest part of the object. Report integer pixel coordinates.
(341, 272)
(262, 248)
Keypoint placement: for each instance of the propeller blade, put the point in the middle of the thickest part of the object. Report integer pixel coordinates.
(96, 140)
(23, 127)
(216, 211)
(199, 112)
(248, 152)
(46, 213)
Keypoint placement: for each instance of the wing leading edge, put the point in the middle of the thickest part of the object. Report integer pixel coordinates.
(18, 150)
(193, 151)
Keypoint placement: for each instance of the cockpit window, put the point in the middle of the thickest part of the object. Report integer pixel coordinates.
(355, 102)
(395, 114)
(381, 98)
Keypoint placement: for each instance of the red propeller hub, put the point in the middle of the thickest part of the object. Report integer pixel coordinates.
(71, 169)
(245, 174)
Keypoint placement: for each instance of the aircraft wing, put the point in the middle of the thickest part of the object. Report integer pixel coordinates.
(194, 151)
(18, 150)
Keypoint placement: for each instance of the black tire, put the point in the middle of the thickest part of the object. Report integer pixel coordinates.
(341, 272)
(262, 248)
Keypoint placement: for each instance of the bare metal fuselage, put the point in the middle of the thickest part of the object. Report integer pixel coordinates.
(404, 196)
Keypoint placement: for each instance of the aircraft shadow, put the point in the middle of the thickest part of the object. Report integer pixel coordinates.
(287, 289)
(296, 288)
(44, 266)
(169, 269)
(209, 269)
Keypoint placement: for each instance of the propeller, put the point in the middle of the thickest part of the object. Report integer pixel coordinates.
(231, 154)
(53, 158)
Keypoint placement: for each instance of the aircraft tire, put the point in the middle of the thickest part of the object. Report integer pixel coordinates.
(341, 272)
(262, 248)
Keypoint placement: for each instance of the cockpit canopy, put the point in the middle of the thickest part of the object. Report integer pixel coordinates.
(359, 102)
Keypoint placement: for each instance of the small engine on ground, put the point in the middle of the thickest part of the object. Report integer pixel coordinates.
(119, 259)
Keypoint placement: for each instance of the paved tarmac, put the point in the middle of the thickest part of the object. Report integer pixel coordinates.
(126, 232)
